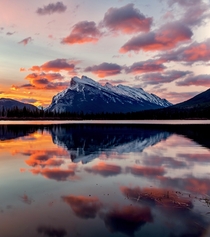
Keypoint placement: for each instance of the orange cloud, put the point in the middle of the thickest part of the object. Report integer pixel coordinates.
(83, 32)
(146, 171)
(44, 157)
(57, 174)
(50, 81)
(104, 169)
(56, 65)
(22, 69)
(83, 207)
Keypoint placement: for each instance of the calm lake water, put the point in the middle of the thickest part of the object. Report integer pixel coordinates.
(105, 180)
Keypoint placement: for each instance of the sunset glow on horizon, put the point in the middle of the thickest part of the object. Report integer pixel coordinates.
(162, 46)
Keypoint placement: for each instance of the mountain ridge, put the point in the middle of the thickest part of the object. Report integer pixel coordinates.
(8, 103)
(201, 100)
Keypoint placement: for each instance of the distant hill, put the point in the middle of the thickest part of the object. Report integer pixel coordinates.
(201, 100)
(197, 107)
(12, 104)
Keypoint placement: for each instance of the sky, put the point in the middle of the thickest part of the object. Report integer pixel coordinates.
(162, 46)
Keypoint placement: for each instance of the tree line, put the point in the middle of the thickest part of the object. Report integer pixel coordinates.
(166, 113)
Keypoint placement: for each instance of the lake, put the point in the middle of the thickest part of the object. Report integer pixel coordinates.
(125, 179)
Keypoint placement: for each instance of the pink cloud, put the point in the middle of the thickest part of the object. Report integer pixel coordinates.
(83, 32)
(159, 78)
(51, 8)
(48, 76)
(55, 66)
(105, 69)
(167, 37)
(104, 169)
(146, 170)
(83, 207)
(126, 19)
(200, 80)
(192, 53)
(164, 161)
(145, 67)
(25, 41)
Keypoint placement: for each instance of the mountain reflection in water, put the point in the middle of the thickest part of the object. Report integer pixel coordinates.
(107, 180)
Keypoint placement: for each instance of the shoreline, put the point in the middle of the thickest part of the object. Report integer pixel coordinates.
(140, 122)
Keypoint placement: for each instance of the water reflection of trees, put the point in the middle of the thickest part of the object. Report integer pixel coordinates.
(8, 132)
(107, 135)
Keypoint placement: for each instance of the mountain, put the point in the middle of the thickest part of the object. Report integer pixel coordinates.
(88, 96)
(201, 100)
(11, 104)
(87, 142)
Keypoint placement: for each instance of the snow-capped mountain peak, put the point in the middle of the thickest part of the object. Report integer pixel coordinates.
(88, 96)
